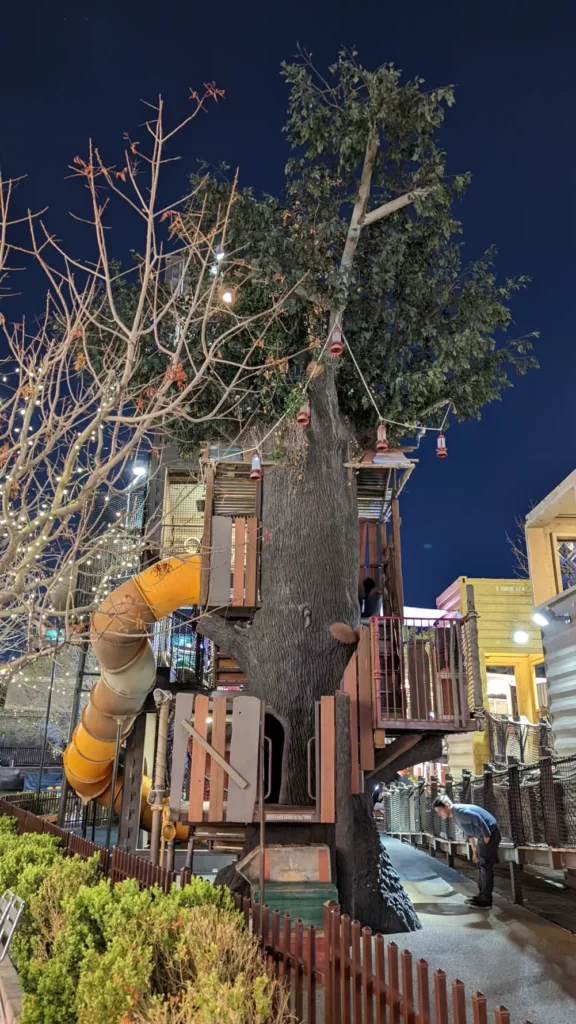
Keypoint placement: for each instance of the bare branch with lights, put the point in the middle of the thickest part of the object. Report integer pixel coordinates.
(94, 387)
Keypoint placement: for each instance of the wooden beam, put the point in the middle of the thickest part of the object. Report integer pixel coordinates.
(197, 736)
(216, 805)
(251, 599)
(351, 688)
(198, 765)
(365, 701)
(239, 560)
(397, 557)
(399, 746)
(327, 758)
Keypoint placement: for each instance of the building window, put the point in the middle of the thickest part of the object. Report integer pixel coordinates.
(567, 560)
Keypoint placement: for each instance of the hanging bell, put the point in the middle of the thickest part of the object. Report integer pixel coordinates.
(256, 470)
(441, 449)
(381, 439)
(336, 343)
(303, 414)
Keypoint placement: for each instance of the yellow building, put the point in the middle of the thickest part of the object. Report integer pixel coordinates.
(551, 543)
(510, 649)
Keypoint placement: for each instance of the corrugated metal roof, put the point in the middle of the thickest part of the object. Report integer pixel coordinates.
(234, 491)
(373, 487)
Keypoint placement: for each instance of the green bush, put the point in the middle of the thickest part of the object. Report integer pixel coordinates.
(90, 954)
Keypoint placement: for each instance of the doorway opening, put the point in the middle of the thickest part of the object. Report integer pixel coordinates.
(273, 756)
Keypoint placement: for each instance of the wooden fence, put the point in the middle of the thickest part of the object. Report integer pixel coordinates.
(340, 974)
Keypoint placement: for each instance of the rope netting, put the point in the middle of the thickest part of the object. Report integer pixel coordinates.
(535, 804)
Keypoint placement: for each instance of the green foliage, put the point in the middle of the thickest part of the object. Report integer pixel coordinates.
(427, 327)
(86, 952)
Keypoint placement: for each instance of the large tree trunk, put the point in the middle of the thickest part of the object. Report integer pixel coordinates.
(309, 580)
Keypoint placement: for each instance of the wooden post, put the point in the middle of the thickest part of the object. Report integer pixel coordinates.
(549, 808)
(472, 615)
(344, 828)
(515, 806)
(397, 557)
(516, 873)
(207, 536)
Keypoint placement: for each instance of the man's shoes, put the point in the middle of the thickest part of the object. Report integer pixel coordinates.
(480, 901)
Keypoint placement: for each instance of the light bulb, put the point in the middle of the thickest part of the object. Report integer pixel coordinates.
(520, 636)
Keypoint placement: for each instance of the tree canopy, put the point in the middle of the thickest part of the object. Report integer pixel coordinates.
(428, 329)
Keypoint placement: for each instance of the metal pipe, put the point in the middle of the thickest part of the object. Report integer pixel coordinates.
(85, 810)
(119, 724)
(170, 855)
(163, 703)
(46, 724)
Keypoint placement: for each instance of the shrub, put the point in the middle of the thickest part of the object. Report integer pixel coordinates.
(90, 954)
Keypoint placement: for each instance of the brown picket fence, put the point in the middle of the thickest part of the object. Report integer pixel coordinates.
(339, 974)
(344, 974)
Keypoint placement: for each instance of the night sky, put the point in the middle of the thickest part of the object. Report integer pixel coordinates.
(70, 70)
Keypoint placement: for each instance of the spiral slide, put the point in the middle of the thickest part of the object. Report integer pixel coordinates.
(119, 638)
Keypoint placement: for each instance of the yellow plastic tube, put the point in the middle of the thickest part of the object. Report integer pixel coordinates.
(119, 638)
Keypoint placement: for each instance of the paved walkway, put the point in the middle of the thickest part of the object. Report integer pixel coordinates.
(512, 956)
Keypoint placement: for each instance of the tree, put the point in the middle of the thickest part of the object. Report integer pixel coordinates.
(365, 236)
(78, 414)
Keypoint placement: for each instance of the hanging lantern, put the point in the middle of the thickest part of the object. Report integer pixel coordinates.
(336, 343)
(256, 471)
(303, 414)
(381, 439)
(441, 449)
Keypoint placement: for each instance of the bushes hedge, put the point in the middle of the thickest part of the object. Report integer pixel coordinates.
(91, 954)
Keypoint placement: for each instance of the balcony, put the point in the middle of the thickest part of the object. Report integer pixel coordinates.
(420, 674)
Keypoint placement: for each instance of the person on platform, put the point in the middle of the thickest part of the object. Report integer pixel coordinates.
(370, 599)
(482, 832)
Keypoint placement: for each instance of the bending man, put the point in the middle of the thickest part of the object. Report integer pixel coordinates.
(482, 832)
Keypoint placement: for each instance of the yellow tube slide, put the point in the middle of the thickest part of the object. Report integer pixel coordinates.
(119, 638)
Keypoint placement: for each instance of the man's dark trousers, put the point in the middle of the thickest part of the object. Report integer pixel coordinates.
(487, 858)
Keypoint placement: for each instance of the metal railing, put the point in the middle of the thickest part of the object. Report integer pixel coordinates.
(29, 757)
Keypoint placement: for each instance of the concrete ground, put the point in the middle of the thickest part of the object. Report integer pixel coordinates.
(514, 957)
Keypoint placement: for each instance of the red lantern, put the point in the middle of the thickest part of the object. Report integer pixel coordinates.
(256, 471)
(381, 440)
(303, 414)
(336, 343)
(441, 449)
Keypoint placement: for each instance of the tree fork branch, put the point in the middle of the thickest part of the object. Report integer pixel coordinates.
(232, 639)
(395, 204)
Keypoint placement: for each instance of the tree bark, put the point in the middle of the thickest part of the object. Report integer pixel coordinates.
(309, 580)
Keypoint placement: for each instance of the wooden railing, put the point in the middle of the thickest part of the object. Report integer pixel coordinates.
(419, 671)
(341, 973)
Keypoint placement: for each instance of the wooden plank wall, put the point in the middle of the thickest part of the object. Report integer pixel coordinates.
(198, 766)
(233, 580)
(228, 672)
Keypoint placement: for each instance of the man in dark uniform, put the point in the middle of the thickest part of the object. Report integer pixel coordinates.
(482, 832)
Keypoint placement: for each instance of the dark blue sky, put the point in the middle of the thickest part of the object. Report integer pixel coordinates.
(70, 70)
